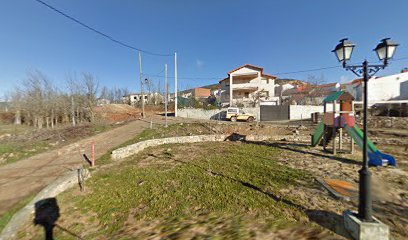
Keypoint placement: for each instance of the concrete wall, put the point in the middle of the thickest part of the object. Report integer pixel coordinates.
(211, 114)
(303, 111)
(393, 87)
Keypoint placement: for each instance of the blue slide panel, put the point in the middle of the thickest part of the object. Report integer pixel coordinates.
(378, 159)
(391, 159)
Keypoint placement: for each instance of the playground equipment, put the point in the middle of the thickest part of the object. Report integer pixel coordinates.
(336, 120)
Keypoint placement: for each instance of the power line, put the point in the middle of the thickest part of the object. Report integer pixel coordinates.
(308, 70)
(277, 73)
(99, 32)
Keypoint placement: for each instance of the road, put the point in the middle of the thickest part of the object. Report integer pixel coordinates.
(26, 177)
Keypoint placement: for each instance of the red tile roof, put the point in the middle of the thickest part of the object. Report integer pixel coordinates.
(246, 65)
(251, 66)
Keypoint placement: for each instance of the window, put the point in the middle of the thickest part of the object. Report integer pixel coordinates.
(247, 94)
(134, 97)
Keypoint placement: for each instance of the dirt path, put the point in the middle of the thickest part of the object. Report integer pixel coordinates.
(23, 178)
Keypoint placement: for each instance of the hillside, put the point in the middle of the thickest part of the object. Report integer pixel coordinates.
(282, 81)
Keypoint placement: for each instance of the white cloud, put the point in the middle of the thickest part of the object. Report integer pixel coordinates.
(199, 63)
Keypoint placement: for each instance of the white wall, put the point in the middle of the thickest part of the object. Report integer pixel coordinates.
(207, 114)
(388, 87)
(303, 111)
(393, 87)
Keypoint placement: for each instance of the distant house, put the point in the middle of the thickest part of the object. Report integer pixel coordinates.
(309, 94)
(135, 98)
(393, 87)
(197, 93)
(201, 92)
(279, 89)
(102, 101)
(247, 85)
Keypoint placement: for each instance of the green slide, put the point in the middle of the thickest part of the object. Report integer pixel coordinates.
(358, 135)
(318, 134)
(376, 158)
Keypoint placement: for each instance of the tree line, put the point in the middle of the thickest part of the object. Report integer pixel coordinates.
(39, 102)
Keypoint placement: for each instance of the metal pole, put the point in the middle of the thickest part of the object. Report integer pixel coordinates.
(365, 201)
(141, 84)
(166, 89)
(175, 84)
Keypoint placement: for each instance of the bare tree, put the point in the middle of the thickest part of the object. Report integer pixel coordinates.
(91, 90)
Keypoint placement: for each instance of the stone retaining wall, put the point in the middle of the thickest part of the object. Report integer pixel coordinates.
(140, 146)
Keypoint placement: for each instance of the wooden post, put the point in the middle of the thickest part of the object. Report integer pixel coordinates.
(324, 137)
(352, 145)
(341, 139)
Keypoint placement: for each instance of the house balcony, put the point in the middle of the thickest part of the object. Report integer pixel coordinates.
(246, 86)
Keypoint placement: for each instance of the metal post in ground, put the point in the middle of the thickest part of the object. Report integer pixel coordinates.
(141, 84)
(175, 84)
(365, 203)
(167, 93)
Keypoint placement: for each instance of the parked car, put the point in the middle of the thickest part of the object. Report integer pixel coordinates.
(235, 114)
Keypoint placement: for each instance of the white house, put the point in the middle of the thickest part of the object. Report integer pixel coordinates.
(247, 85)
(393, 87)
(134, 98)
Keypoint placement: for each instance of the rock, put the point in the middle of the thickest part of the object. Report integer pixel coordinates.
(5, 135)
(301, 127)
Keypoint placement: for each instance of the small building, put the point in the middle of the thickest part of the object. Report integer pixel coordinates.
(197, 93)
(392, 87)
(102, 101)
(201, 93)
(149, 98)
(247, 85)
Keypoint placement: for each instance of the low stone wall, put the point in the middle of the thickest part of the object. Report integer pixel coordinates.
(140, 146)
(385, 122)
(22, 216)
(212, 114)
(137, 147)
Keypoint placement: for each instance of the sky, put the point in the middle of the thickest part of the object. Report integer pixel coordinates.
(210, 37)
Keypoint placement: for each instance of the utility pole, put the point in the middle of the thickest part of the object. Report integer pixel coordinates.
(141, 85)
(175, 84)
(166, 92)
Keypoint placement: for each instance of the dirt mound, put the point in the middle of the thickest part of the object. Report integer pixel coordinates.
(116, 112)
(6, 117)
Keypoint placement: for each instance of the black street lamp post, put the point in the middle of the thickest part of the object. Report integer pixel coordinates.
(385, 50)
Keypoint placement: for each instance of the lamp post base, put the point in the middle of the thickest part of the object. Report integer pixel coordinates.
(360, 230)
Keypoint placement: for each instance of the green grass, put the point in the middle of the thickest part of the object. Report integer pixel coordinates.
(228, 189)
(13, 151)
(5, 218)
(28, 141)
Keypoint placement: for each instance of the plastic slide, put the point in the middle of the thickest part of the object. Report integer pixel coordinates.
(376, 158)
(318, 134)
